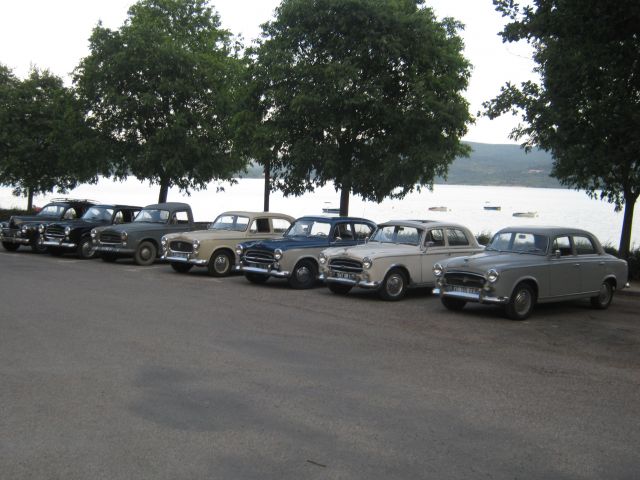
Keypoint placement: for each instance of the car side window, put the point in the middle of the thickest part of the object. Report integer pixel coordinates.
(436, 237)
(280, 225)
(70, 214)
(118, 217)
(343, 231)
(584, 245)
(260, 225)
(563, 244)
(181, 217)
(362, 231)
(456, 237)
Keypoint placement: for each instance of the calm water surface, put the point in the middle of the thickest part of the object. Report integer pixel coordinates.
(465, 204)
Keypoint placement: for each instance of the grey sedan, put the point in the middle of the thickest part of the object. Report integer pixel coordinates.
(523, 266)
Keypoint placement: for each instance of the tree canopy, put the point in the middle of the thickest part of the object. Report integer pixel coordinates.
(45, 143)
(364, 93)
(585, 110)
(163, 87)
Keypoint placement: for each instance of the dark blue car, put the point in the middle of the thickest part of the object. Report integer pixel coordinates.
(295, 256)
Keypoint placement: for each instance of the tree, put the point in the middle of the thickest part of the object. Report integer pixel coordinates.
(45, 143)
(163, 88)
(364, 93)
(585, 108)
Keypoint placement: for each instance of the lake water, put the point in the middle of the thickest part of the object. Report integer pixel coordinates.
(465, 204)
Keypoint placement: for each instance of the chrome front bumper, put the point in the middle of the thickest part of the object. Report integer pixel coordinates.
(357, 282)
(263, 271)
(58, 243)
(99, 248)
(482, 296)
(193, 261)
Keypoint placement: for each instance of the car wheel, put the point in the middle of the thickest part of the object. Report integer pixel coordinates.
(339, 288)
(304, 275)
(145, 254)
(604, 297)
(181, 267)
(256, 277)
(394, 285)
(85, 249)
(37, 247)
(453, 304)
(109, 257)
(521, 303)
(10, 247)
(220, 264)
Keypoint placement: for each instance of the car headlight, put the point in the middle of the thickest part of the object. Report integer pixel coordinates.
(41, 229)
(94, 233)
(239, 250)
(25, 229)
(67, 231)
(367, 263)
(123, 237)
(277, 254)
(163, 241)
(322, 258)
(438, 270)
(492, 276)
(196, 246)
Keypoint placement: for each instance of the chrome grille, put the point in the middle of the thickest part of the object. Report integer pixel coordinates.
(464, 279)
(345, 265)
(258, 256)
(179, 246)
(54, 231)
(110, 237)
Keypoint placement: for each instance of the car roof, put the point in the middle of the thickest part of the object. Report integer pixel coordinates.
(334, 219)
(169, 206)
(246, 213)
(550, 231)
(118, 206)
(423, 224)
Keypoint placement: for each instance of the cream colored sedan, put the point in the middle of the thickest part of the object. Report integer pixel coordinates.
(399, 255)
(214, 248)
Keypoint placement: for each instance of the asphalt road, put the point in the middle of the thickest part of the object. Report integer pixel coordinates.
(113, 371)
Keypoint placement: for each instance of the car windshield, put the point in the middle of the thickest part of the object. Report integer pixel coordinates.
(235, 223)
(519, 242)
(98, 214)
(51, 211)
(152, 215)
(397, 234)
(309, 228)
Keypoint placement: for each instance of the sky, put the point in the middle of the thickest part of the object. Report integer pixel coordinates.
(53, 34)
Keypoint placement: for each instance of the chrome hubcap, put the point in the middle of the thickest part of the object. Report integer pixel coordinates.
(221, 263)
(604, 293)
(522, 302)
(303, 274)
(145, 253)
(394, 285)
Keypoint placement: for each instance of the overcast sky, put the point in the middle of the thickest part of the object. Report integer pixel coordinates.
(54, 34)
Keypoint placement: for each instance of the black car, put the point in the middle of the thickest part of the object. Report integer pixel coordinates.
(74, 236)
(23, 229)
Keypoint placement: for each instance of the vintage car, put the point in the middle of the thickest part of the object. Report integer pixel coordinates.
(141, 238)
(399, 254)
(74, 236)
(23, 229)
(214, 248)
(523, 266)
(295, 256)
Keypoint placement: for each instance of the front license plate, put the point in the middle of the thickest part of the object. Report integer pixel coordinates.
(108, 249)
(348, 276)
(180, 254)
(473, 291)
(264, 266)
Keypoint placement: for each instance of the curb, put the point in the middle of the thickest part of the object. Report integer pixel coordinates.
(632, 291)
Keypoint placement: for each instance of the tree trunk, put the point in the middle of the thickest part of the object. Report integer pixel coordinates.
(344, 200)
(267, 185)
(164, 190)
(29, 200)
(627, 222)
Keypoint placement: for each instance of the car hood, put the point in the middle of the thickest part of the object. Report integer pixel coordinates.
(22, 219)
(204, 235)
(372, 250)
(481, 262)
(287, 243)
(79, 223)
(136, 227)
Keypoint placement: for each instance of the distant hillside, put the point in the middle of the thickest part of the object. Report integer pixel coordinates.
(490, 164)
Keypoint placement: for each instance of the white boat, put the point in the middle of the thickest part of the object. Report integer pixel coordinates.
(438, 209)
(526, 214)
(332, 210)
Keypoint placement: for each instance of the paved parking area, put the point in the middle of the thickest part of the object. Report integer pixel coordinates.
(121, 372)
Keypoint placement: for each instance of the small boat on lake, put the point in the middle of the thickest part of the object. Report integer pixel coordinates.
(331, 210)
(438, 209)
(526, 214)
(492, 207)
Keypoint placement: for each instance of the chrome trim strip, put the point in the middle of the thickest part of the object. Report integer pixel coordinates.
(264, 271)
(54, 243)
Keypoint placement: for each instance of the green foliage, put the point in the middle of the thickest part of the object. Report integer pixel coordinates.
(366, 93)
(484, 237)
(585, 110)
(163, 88)
(45, 143)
